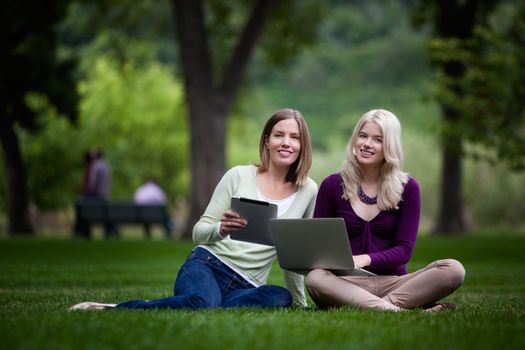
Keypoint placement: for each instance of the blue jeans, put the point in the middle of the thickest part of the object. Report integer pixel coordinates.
(205, 282)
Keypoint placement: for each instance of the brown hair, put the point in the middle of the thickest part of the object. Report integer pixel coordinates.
(298, 172)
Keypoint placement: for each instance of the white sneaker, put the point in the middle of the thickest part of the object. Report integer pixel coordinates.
(90, 305)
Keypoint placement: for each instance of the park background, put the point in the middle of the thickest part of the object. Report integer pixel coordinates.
(333, 61)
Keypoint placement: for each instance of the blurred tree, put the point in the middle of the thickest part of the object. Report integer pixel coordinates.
(133, 112)
(493, 101)
(113, 27)
(366, 55)
(452, 21)
(211, 85)
(214, 50)
(136, 114)
(29, 63)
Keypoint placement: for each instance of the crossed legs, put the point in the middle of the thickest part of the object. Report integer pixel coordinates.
(428, 285)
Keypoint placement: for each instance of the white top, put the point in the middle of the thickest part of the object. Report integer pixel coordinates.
(250, 260)
(282, 204)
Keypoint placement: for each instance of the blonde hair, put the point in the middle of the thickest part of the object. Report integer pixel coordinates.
(392, 178)
(298, 173)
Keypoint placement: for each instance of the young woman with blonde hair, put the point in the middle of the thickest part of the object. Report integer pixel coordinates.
(380, 204)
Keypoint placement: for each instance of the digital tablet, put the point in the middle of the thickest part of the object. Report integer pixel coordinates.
(258, 215)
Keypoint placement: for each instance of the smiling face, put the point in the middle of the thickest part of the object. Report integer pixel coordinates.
(284, 143)
(368, 146)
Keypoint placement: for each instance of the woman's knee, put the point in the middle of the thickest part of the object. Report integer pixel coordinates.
(455, 272)
(279, 296)
(314, 279)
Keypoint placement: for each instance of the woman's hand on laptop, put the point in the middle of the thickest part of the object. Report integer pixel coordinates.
(231, 221)
(362, 260)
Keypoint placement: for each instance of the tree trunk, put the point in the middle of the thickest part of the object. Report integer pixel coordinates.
(454, 19)
(451, 218)
(208, 161)
(209, 103)
(17, 204)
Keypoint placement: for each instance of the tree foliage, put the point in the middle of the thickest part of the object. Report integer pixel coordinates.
(489, 94)
(30, 59)
(137, 116)
(100, 27)
(29, 64)
(469, 76)
(366, 56)
(134, 114)
(492, 104)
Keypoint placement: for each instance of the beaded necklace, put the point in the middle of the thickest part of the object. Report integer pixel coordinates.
(364, 198)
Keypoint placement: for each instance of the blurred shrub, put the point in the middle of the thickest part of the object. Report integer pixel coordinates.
(135, 115)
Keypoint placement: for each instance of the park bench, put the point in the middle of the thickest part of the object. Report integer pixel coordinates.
(112, 213)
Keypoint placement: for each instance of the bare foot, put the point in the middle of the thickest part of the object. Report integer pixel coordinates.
(440, 307)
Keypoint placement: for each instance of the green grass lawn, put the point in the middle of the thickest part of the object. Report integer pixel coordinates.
(41, 278)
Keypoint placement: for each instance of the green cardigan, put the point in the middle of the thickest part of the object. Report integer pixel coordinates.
(253, 260)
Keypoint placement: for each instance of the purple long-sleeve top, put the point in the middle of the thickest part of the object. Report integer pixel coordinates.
(388, 238)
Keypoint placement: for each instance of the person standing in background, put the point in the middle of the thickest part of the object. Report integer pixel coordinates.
(87, 168)
(96, 188)
(99, 178)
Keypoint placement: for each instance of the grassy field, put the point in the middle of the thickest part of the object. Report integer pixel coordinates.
(41, 278)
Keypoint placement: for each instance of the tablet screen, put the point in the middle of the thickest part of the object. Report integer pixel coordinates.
(258, 214)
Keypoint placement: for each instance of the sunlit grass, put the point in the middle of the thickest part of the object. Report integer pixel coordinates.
(41, 278)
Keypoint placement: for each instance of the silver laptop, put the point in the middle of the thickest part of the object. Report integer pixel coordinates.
(322, 243)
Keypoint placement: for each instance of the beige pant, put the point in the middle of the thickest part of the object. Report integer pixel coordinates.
(425, 286)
